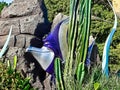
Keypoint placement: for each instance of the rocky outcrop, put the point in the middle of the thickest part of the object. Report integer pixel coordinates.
(29, 19)
(25, 16)
(22, 8)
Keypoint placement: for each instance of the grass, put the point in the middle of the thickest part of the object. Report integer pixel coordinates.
(96, 81)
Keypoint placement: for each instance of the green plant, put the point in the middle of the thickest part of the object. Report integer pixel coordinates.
(96, 86)
(56, 6)
(10, 79)
(58, 74)
(2, 5)
(79, 26)
(96, 81)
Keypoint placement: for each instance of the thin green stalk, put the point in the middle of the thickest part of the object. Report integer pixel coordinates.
(84, 41)
(58, 75)
(78, 35)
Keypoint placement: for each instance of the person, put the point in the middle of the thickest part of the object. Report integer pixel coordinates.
(92, 58)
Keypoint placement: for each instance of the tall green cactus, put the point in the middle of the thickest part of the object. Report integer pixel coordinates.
(58, 74)
(78, 36)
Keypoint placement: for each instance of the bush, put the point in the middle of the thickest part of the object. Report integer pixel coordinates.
(96, 81)
(10, 79)
(56, 6)
(2, 4)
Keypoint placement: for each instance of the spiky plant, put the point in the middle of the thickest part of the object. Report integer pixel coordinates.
(78, 35)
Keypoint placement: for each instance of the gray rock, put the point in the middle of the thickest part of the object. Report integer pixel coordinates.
(28, 40)
(14, 51)
(4, 38)
(19, 8)
(5, 25)
(29, 24)
(20, 41)
(17, 1)
(12, 41)
(59, 17)
(29, 19)
(23, 40)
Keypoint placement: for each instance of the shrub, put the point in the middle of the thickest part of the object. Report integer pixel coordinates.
(2, 4)
(10, 79)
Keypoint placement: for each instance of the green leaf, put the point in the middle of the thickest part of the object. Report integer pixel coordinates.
(15, 62)
(27, 87)
(96, 86)
(58, 74)
(8, 63)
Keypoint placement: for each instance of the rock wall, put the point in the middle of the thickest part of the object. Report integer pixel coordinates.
(29, 19)
(25, 16)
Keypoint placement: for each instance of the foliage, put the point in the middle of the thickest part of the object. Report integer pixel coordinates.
(96, 81)
(2, 4)
(58, 74)
(78, 37)
(10, 79)
(100, 28)
(96, 86)
(56, 6)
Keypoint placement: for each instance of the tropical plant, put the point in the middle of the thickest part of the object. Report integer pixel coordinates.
(10, 79)
(58, 74)
(79, 26)
(78, 43)
(99, 27)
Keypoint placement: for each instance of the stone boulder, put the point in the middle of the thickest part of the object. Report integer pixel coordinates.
(5, 25)
(22, 8)
(29, 20)
(59, 17)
